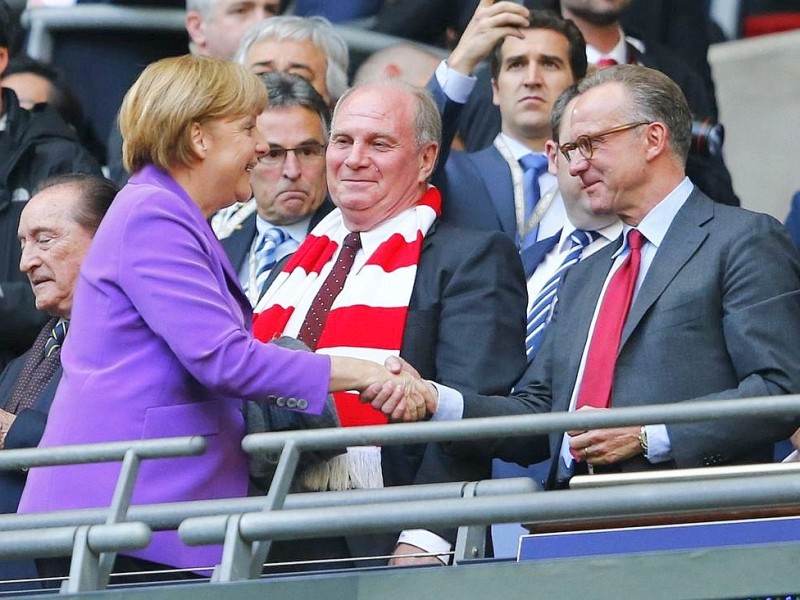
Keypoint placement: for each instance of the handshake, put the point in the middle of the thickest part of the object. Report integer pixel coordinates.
(400, 393)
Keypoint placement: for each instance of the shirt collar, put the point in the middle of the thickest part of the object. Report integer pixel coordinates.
(656, 223)
(609, 232)
(296, 231)
(518, 149)
(619, 52)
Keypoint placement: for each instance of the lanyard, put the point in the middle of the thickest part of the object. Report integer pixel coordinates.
(523, 227)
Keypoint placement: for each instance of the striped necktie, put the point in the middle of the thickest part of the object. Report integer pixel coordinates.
(542, 308)
(56, 337)
(265, 255)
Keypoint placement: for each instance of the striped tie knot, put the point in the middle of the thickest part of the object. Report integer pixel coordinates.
(542, 308)
(56, 337)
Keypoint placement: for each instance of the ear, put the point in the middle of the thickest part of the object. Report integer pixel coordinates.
(427, 160)
(495, 100)
(656, 141)
(196, 28)
(197, 140)
(551, 151)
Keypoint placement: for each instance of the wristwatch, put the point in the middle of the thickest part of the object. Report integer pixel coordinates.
(643, 439)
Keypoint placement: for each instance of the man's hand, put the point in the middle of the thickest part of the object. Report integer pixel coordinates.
(405, 555)
(406, 397)
(605, 446)
(490, 23)
(6, 420)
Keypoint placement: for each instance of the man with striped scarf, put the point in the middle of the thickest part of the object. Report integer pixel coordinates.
(381, 276)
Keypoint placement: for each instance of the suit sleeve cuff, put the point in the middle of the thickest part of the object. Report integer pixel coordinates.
(450, 406)
(456, 86)
(659, 447)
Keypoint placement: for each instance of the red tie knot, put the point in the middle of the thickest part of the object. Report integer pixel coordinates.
(606, 62)
(635, 239)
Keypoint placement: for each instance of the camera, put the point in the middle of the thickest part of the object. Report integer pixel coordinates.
(707, 138)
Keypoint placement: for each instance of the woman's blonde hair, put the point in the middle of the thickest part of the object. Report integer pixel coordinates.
(171, 95)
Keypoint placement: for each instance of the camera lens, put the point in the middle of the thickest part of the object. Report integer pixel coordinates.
(707, 138)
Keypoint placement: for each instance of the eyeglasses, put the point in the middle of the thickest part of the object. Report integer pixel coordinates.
(305, 153)
(585, 143)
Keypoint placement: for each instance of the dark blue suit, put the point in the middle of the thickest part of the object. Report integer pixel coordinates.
(24, 433)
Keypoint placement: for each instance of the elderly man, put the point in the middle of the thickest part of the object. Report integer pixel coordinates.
(289, 188)
(306, 46)
(381, 275)
(699, 301)
(216, 26)
(55, 230)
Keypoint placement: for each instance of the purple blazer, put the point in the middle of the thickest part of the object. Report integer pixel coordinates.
(159, 346)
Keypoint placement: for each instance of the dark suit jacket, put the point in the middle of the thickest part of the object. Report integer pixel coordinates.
(25, 432)
(237, 244)
(465, 328)
(716, 317)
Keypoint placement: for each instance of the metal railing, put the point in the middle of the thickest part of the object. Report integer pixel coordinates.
(42, 22)
(93, 547)
(247, 526)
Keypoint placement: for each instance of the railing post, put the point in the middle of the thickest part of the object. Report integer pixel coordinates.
(471, 539)
(236, 552)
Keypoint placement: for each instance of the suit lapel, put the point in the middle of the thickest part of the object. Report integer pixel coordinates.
(533, 255)
(683, 238)
(237, 244)
(496, 176)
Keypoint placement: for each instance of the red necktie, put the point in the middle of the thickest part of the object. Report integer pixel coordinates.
(606, 62)
(333, 284)
(600, 362)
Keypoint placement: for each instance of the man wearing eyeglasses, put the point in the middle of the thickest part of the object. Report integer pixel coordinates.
(288, 182)
(698, 301)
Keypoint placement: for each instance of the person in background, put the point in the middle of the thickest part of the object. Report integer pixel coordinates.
(160, 343)
(36, 82)
(306, 46)
(216, 26)
(289, 187)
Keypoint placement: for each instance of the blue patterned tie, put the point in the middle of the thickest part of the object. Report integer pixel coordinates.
(542, 308)
(56, 337)
(266, 256)
(533, 166)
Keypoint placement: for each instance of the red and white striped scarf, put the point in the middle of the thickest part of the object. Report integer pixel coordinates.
(368, 317)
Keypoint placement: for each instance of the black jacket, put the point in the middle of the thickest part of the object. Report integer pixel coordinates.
(35, 145)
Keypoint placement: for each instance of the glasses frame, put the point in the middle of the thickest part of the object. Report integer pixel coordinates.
(585, 143)
(275, 162)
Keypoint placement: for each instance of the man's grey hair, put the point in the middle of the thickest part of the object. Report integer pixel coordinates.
(318, 30)
(655, 97)
(201, 6)
(288, 89)
(427, 120)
